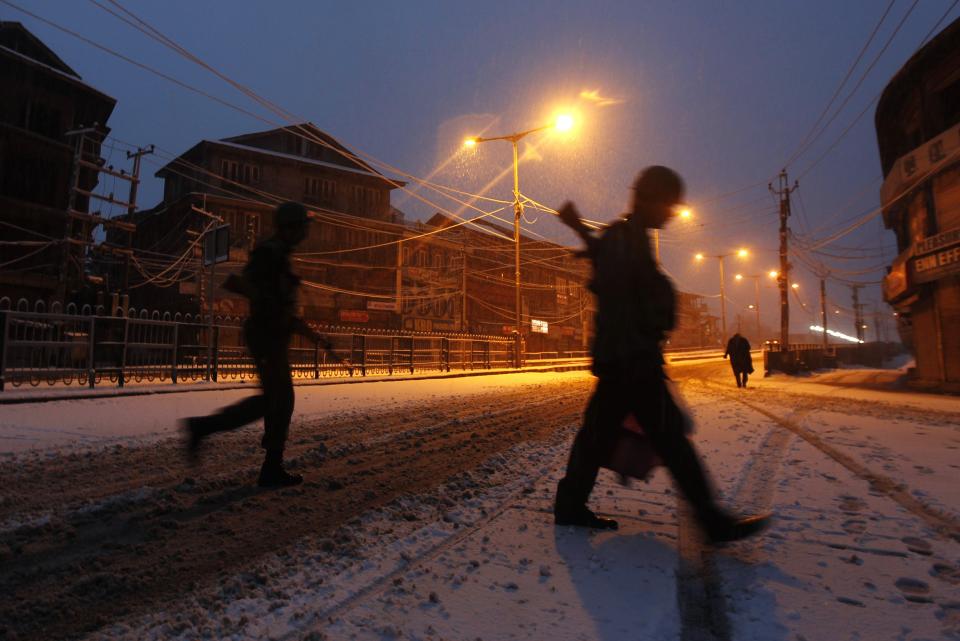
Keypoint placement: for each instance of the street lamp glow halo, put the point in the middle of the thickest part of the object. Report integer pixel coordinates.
(563, 122)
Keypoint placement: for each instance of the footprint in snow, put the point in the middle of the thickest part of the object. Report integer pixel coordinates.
(918, 545)
(914, 590)
(851, 504)
(949, 615)
(854, 526)
(946, 572)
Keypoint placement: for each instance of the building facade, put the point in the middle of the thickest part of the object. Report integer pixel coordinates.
(918, 131)
(361, 264)
(44, 201)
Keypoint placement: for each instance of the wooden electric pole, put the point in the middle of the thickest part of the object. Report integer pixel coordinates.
(783, 191)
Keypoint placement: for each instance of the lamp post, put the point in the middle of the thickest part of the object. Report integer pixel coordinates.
(563, 123)
(756, 295)
(740, 253)
(685, 214)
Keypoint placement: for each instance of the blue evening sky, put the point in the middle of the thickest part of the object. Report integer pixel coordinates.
(722, 91)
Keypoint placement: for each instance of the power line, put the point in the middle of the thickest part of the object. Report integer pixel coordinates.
(863, 112)
(807, 139)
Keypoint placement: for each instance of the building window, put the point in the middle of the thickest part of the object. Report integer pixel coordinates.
(949, 99)
(238, 172)
(366, 198)
(319, 189)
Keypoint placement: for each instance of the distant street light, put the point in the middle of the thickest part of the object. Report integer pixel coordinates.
(740, 253)
(683, 213)
(756, 296)
(563, 122)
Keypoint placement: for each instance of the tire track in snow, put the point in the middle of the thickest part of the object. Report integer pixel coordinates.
(944, 524)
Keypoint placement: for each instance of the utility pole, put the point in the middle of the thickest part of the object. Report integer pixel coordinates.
(517, 214)
(723, 303)
(463, 291)
(783, 191)
(823, 309)
(132, 207)
(92, 162)
(399, 284)
(857, 312)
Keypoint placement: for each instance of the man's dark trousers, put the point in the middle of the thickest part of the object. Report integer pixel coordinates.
(641, 389)
(274, 404)
(741, 376)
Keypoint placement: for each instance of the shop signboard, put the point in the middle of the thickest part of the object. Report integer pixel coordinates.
(381, 306)
(354, 316)
(936, 257)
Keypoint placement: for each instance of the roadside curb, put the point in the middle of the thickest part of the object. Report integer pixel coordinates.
(216, 387)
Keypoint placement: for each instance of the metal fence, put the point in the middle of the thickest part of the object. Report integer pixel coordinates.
(89, 349)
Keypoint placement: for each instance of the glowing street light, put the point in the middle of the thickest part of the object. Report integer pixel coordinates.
(795, 286)
(562, 122)
(740, 253)
(773, 273)
(756, 296)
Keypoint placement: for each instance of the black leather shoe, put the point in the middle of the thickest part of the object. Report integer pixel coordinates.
(192, 439)
(277, 477)
(733, 529)
(585, 518)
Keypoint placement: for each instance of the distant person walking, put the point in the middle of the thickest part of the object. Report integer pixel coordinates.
(635, 308)
(271, 288)
(738, 350)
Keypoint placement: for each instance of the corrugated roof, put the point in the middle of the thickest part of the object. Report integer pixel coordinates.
(293, 157)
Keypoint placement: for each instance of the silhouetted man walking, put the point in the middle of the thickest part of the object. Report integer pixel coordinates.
(738, 349)
(635, 308)
(271, 288)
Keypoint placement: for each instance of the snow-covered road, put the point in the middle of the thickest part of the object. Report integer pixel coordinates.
(426, 515)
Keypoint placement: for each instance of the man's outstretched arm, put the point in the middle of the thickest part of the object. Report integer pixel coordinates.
(570, 217)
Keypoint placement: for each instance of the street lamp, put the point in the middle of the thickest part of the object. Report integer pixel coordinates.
(684, 213)
(740, 253)
(756, 297)
(563, 122)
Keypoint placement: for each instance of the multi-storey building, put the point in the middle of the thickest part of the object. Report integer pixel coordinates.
(695, 326)
(44, 227)
(361, 265)
(918, 130)
(556, 307)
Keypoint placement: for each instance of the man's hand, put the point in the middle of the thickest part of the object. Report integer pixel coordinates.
(570, 216)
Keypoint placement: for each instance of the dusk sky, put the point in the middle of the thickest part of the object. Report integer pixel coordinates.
(724, 92)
